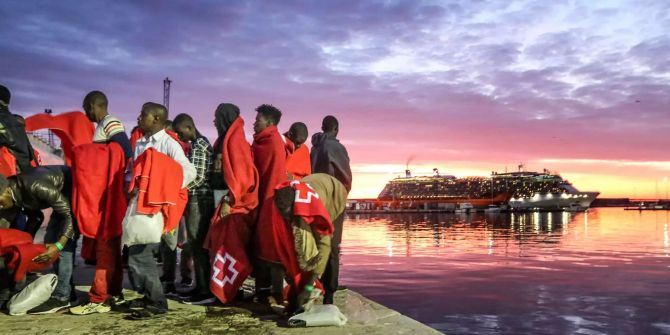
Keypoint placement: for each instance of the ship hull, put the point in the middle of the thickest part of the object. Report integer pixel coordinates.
(553, 201)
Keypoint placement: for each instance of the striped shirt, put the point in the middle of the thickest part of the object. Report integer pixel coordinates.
(107, 127)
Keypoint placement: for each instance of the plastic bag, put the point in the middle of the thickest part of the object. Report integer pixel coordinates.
(33, 295)
(317, 316)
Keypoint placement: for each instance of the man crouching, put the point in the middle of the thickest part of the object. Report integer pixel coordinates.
(307, 209)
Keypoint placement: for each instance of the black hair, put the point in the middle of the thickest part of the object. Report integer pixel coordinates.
(271, 113)
(329, 123)
(95, 97)
(299, 128)
(284, 198)
(157, 110)
(5, 94)
(183, 119)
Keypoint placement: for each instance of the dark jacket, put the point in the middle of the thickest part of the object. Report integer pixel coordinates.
(45, 187)
(13, 137)
(329, 156)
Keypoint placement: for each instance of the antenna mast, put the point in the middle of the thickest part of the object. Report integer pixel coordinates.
(166, 93)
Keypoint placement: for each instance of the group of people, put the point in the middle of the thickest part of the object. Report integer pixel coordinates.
(272, 209)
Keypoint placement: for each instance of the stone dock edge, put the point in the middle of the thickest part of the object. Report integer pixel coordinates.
(365, 317)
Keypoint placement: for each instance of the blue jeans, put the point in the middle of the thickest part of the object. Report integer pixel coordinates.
(64, 266)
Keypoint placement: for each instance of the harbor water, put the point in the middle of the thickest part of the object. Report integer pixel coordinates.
(605, 271)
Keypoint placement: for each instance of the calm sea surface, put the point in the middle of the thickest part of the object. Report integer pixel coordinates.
(606, 271)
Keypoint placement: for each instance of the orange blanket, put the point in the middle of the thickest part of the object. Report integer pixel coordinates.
(18, 250)
(158, 179)
(239, 171)
(73, 128)
(98, 193)
(298, 163)
(270, 160)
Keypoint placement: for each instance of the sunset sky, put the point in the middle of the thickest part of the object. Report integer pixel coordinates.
(469, 87)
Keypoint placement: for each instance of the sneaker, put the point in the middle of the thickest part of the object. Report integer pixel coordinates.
(52, 305)
(128, 306)
(90, 308)
(199, 299)
(115, 300)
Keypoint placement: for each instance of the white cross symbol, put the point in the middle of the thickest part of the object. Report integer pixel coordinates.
(308, 199)
(217, 270)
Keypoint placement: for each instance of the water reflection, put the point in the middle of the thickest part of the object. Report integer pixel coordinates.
(604, 271)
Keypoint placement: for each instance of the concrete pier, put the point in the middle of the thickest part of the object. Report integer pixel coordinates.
(365, 318)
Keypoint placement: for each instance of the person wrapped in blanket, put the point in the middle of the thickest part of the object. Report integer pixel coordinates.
(313, 247)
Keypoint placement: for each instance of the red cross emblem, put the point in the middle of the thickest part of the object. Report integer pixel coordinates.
(222, 273)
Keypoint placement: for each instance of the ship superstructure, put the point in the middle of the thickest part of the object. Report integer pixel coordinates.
(519, 190)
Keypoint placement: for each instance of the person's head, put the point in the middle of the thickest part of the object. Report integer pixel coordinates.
(184, 127)
(268, 115)
(330, 125)
(152, 118)
(224, 116)
(5, 95)
(95, 106)
(297, 133)
(6, 200)
(169, 125)
(284, 200)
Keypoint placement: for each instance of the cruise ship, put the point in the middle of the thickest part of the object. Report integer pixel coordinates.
(541, 190)
(516, 191)
(441, 192)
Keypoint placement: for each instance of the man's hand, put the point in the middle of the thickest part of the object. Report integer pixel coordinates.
(48, 255)
(225, 209)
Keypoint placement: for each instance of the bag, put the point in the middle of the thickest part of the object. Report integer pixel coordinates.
(33, 295)
(319, 315)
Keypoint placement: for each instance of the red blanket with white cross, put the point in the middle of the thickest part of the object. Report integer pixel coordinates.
(227, 241)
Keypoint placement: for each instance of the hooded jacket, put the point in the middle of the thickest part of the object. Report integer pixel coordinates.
(329, 156)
